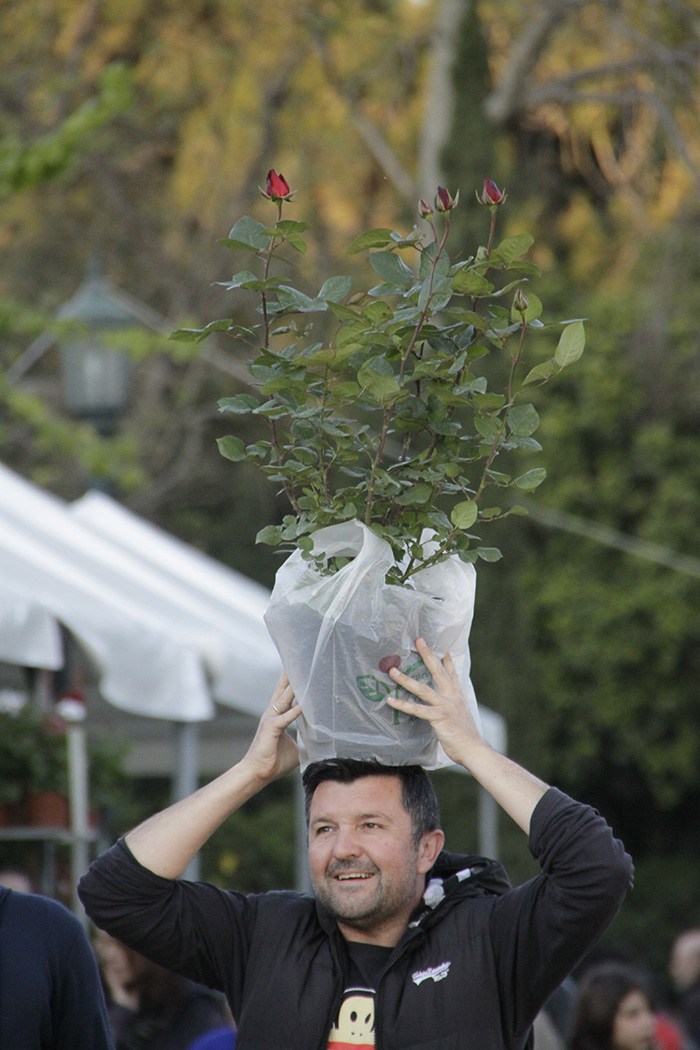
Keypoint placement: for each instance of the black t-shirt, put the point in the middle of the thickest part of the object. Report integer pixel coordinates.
(354, 1025)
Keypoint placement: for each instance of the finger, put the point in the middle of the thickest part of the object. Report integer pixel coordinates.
(282, 684)
(282, 698)
(410, 707)
(431, 661)
(419, 689)
(285, 718)
(450, 669)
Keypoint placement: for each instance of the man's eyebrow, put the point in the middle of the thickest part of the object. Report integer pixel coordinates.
(374, 815)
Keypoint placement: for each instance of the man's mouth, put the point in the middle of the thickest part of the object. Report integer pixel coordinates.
(355, 875)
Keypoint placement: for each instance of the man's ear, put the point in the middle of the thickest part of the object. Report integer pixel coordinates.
(430, 845)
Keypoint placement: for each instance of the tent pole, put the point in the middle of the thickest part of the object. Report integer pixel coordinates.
(185, 776)
(488, 825)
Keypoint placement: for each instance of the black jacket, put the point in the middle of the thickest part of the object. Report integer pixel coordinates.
(472, 970)
(51, 996)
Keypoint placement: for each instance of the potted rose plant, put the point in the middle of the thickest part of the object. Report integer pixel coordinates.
(396, 419)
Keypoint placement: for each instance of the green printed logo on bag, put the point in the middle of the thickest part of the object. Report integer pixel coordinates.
(375, 690)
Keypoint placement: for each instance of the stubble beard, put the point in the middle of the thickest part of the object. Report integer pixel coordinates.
(384, 903)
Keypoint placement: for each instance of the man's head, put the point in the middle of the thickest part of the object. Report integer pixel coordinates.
(417, 791)
(684, 965)
(373, 835)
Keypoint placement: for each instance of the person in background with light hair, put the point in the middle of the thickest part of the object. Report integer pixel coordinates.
(684, 968)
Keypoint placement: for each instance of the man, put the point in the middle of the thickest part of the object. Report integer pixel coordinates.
(377, 958)
(50, 992)
(684, 968)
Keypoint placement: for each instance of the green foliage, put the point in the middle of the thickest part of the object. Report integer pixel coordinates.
(33, 754)
(26, 165)
(392, 420)
(254, 849)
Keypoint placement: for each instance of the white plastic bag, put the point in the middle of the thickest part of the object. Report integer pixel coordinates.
(333, 631)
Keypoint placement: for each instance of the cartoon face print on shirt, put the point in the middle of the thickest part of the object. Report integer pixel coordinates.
(354, 1029)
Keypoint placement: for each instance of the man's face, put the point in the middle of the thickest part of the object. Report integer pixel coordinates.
(365, 867)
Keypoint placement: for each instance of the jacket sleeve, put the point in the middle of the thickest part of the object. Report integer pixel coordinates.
(194, 929)
(542, 929)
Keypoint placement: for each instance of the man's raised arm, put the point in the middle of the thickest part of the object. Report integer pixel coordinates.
(168, 841)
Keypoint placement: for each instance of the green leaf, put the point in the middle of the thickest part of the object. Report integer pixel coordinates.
(293, 299)
(523, 420)
(415, 495)
(531, 479)
(489, 402)
(239, 403)
(469, 282)
(391, 269)
(378, 312)
(271, 534)
(378, 238)
(543, 371)
(231, 448)
(287, 226)
(346, 390)
(489, 553)
(377, 378)
(511, 249)
(464, 514)
(335, 289)
(297, 242)
(342, 312)
(249, 233)
(571, 344)
(196, 335)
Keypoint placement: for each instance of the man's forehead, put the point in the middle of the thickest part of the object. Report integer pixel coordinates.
(366, 795)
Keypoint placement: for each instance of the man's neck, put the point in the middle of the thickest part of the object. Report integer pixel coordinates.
(385, 935)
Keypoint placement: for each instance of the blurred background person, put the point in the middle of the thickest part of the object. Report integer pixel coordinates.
(684, 968)
(613, 1010)
(150, 1008)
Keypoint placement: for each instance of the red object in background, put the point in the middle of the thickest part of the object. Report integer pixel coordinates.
(667, 1034)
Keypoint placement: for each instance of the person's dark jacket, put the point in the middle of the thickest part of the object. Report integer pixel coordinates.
(51, 996)
(472, 970)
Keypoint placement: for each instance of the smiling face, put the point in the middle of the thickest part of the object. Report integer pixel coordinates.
(365, 867)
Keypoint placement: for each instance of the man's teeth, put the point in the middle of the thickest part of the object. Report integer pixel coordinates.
(359, 875)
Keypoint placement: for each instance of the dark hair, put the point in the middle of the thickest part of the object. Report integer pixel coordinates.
(600, 992)
(417, 791)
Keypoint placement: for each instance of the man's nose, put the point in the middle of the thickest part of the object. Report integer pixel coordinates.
(347, 843)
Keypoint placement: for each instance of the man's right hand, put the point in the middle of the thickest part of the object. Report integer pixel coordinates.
(272, 752)
(167, 842)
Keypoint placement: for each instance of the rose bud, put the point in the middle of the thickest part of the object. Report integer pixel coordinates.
(424, 209)
(443, 200)
(491, 194)
(520, 303)
(276, 186)
(387, 662)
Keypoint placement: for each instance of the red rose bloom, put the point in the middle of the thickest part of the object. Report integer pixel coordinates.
(276, 186)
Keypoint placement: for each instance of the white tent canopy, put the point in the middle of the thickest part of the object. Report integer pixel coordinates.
(169, 629)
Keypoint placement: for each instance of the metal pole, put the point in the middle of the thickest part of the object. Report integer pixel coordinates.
(73, 712)
(488, 825)
(185, 777)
